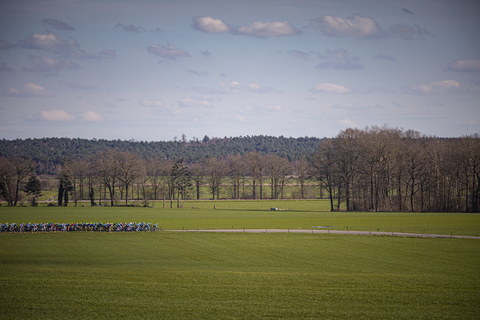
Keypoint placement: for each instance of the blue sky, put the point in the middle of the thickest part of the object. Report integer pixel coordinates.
(154, 70)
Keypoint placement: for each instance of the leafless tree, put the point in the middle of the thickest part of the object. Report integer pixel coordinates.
(237, 169)
(278, 169)
(7, 180)
(107, 164)
(23, 167)
(216, 171)
(128, 170)
(325, 167)
(255, 167)
(197, 171)
(302, 169)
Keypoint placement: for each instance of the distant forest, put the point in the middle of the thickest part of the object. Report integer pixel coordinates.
(49, 153)
(375, 169)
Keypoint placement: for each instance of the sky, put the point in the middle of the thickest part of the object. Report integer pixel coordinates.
(156, 70)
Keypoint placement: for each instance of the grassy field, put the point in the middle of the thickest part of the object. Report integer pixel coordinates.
(293, 214)
(237, 276)
(176, 275)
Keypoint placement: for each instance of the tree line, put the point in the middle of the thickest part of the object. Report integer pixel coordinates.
(48, 153)
(374, 169)
(384, 169)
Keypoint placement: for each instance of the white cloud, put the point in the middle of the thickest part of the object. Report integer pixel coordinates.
(169, 51)
(339, 60)
(240, 118)
(363, 27)
(298, 54)
(441, 87)
(92, 116)
(129, 28)
(54, 43)
(56, 115)
(330, 88)
(256, 88)
(209, 24)
(48, 42)
(268, 29)
(28, 90)
(356, 26)
(151, 104)
(405, 31)
(464, 65)
(47, 64)
(273, 108)
(195, 102)
(259, 29)
(231, 87)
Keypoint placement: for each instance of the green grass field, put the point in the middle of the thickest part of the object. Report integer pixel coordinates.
(176, 275)
(293, 214)
(231, 276)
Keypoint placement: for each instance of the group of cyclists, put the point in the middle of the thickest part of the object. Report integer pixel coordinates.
(100, 227)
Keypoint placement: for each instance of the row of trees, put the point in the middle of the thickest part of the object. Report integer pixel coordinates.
(375, 169)
(13, 174)
(382, 169)
(48, 153)
(117, 173)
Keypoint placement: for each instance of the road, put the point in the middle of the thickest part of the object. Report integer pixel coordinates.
(348, 232)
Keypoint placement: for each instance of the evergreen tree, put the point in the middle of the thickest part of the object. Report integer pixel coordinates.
(181, 180)
(33, 189)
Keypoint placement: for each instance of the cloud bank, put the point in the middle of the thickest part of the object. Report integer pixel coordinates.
(464, 65)
(56, 116)
(441, 87)
(329, 88)
(28, 90)
(168, 52)
(339, 60)
(209, 24)
(359, 26)
(47, 64)
(257, 29)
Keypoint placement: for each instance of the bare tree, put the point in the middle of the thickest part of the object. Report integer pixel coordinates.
(65, 189)
(23, 167)
(197, 171)
(157, 171)
(237, 170)
(128, 170)
(92, 180)
(278, 169)
(7, 180)
(255, 166)
(347, 149)
(107, 164)
(215, 171)
(302, 169)
(470, 155)
(324, 163)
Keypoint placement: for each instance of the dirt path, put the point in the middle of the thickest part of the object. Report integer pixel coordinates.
(372, 233)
